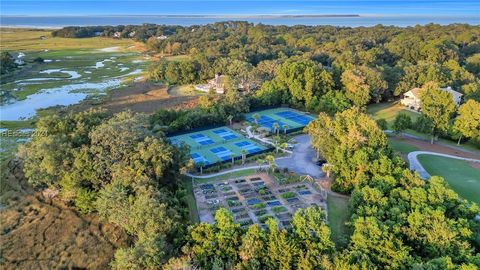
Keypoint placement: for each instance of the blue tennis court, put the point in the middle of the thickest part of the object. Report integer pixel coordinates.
(286, 118)
(225, 134)
(248, 146)
(211, 146)
(197, 158)
(201, 139)
(222, 153)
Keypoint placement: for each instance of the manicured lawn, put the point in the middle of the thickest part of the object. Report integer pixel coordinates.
(401, 147)
(192, 205)
(460, 175)
(226, 176)
(389, 111)
(338, 214)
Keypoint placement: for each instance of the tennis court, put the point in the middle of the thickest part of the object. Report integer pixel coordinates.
(216, 145)
(285, 117)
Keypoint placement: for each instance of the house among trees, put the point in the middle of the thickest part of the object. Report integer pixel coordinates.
(411, 99)
(217, 84)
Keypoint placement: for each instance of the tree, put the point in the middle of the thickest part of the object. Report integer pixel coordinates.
(402, 122)
(304, 79)
(232, 156)
(252, 250)
(467, 122)
(7, 62)
(473, 63)
(256, 117)
(356, 87)
(276, 128)
(284, 145)
(244, 153)
(260, 162)
(437, 105)
(271, 161)
(230, 118)
(382, 123)
(354, 146)
(285, 128)
(333, 102)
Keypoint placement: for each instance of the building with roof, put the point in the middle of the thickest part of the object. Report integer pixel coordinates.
(411, 99)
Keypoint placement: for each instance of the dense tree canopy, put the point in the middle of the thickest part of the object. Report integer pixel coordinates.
(468, 120)
(354, 146)
(437, 106)
(120, 169)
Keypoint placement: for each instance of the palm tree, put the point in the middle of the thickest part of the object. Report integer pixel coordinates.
(254, 129)
(284, 146)
(201, 164)
(271, 161)
(327, 168)
(256, 117)
(285, 127)
(232, 155)
(244, 155)
(276, 127)
(230, 119)
(260, 163)
(277, 146)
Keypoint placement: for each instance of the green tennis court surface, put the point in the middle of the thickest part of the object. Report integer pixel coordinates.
(217, 145)
(285, 118)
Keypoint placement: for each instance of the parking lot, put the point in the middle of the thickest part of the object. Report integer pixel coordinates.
(255, 198)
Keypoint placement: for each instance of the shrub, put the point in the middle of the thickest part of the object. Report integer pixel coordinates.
(263, 219)
(288, 195)
(258, 206)
(382, 123)
(279, 209)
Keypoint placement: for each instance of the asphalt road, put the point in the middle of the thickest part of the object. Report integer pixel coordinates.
(302, 161)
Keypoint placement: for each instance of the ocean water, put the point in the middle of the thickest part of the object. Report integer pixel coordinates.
(352, 21)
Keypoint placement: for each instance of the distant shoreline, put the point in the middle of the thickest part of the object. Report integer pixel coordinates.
(272, 16)
(338, 20)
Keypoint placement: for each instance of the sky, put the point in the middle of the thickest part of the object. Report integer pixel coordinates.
(235, 7)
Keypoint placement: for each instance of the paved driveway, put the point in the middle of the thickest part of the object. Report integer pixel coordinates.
(302, 161)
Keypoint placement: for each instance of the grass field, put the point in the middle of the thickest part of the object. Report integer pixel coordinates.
(401, 147)
(192, 204)
(338, 214)
(282, 116)
(460, 175)
(23, 39)
(389, 111)
(226, 176)
(216, 145)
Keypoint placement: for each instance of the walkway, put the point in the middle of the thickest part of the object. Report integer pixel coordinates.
(416, 166)
(264, 140)
(227, 171)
